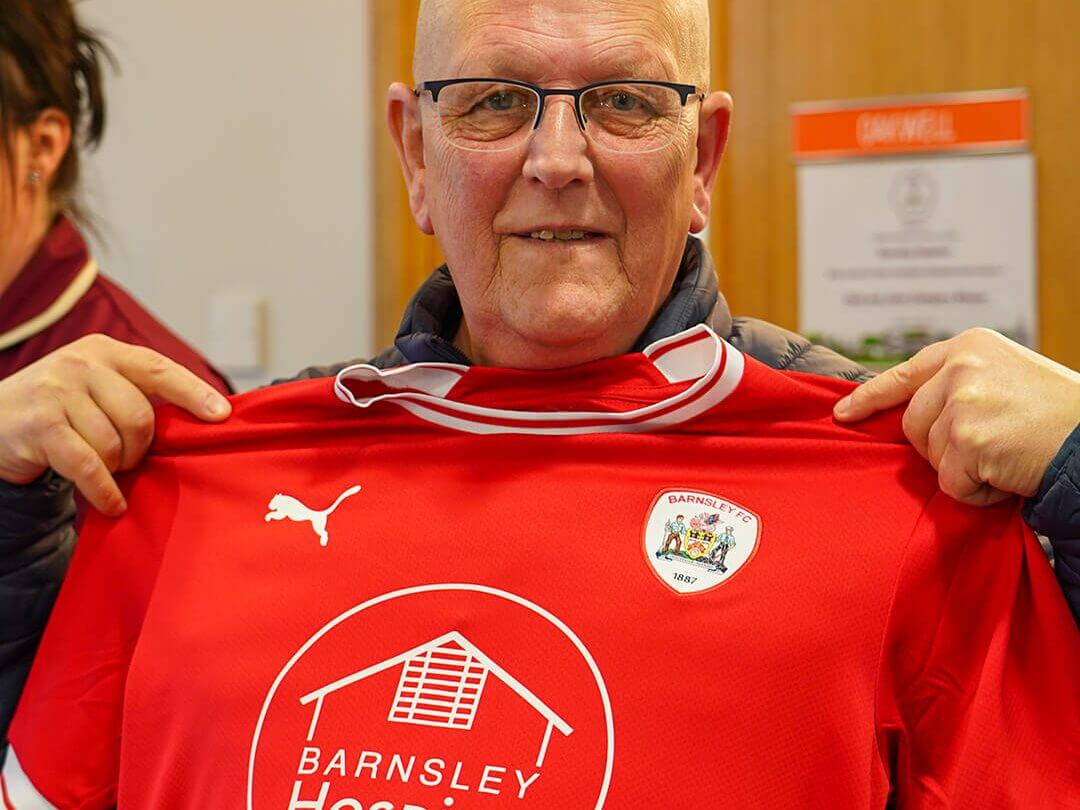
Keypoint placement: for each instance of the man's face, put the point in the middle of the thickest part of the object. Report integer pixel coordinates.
(518, 291)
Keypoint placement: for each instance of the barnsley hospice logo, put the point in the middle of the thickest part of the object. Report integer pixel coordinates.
(434, 697)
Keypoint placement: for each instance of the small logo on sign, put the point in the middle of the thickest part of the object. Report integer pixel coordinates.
(913, 196)
(695, 541)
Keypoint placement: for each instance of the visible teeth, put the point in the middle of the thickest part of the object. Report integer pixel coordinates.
(561, 236)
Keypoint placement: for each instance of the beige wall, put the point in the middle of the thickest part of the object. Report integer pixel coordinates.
(238, 157)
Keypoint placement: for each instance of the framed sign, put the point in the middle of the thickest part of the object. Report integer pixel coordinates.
(916, 221)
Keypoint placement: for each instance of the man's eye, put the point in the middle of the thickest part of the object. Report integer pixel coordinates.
(500, 102)
(623, 102)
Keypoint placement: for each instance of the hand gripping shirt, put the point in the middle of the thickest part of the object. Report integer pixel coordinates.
(438, 587)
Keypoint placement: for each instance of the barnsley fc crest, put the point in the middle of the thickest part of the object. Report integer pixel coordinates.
(694, 541)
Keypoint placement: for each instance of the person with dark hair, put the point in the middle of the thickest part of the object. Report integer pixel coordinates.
(52, 103)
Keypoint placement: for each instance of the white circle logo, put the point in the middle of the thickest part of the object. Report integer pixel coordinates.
(433, 697)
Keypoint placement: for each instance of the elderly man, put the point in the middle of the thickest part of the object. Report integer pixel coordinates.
(561, 152)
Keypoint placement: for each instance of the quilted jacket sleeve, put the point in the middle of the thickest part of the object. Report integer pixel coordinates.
(1055, 513)
(37, 537)
(779, 348)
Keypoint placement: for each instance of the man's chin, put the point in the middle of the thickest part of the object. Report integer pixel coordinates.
(557, 330)
(562, 305)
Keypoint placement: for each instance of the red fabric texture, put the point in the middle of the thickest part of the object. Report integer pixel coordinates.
(881, 640)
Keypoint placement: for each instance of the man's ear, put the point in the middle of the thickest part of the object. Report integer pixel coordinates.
(713, 131)
(403, 118)
(49, 139)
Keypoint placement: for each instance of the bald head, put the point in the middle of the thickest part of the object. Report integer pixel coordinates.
(681, 24)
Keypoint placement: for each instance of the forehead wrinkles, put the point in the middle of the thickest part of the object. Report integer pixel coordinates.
(667, 31)
(546, 58)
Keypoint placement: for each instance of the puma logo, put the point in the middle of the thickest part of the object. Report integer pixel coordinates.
(284, 507)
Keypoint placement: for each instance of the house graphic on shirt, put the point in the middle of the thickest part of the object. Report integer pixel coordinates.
(441, 684)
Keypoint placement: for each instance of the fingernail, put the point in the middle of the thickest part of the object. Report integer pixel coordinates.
(842, 406)
(217, 405)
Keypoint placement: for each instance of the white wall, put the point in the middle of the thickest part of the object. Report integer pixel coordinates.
(237, 158)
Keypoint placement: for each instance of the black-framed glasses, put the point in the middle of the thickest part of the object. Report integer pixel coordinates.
(492, 115)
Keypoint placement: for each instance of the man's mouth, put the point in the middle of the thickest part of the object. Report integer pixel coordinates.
(561, 235)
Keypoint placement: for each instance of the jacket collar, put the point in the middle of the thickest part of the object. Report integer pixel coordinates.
(433, 315)
(48, 285)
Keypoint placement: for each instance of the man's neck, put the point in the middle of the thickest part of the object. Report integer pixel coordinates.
(510, 350)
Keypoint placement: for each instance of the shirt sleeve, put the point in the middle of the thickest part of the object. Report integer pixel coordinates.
(979, 687)
(65, 736)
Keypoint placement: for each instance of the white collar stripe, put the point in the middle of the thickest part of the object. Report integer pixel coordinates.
(588, 418)
(683, 357)
(719, 368)
(61, 306)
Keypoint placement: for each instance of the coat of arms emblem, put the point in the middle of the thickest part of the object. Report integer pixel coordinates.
(694, 541)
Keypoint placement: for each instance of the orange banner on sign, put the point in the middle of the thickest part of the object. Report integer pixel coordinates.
(952, 123)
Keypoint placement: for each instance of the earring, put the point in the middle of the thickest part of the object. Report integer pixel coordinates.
(34, 177)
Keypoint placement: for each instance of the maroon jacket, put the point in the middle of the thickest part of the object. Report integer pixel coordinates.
(59, 297)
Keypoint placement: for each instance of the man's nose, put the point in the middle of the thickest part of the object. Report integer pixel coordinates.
(558, 151)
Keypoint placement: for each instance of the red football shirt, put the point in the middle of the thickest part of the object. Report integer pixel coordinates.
(661, 580)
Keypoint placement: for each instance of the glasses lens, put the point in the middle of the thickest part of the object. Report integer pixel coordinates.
(632, 117)
(487, 116)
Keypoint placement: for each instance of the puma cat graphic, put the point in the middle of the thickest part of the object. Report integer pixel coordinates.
(287, 507)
